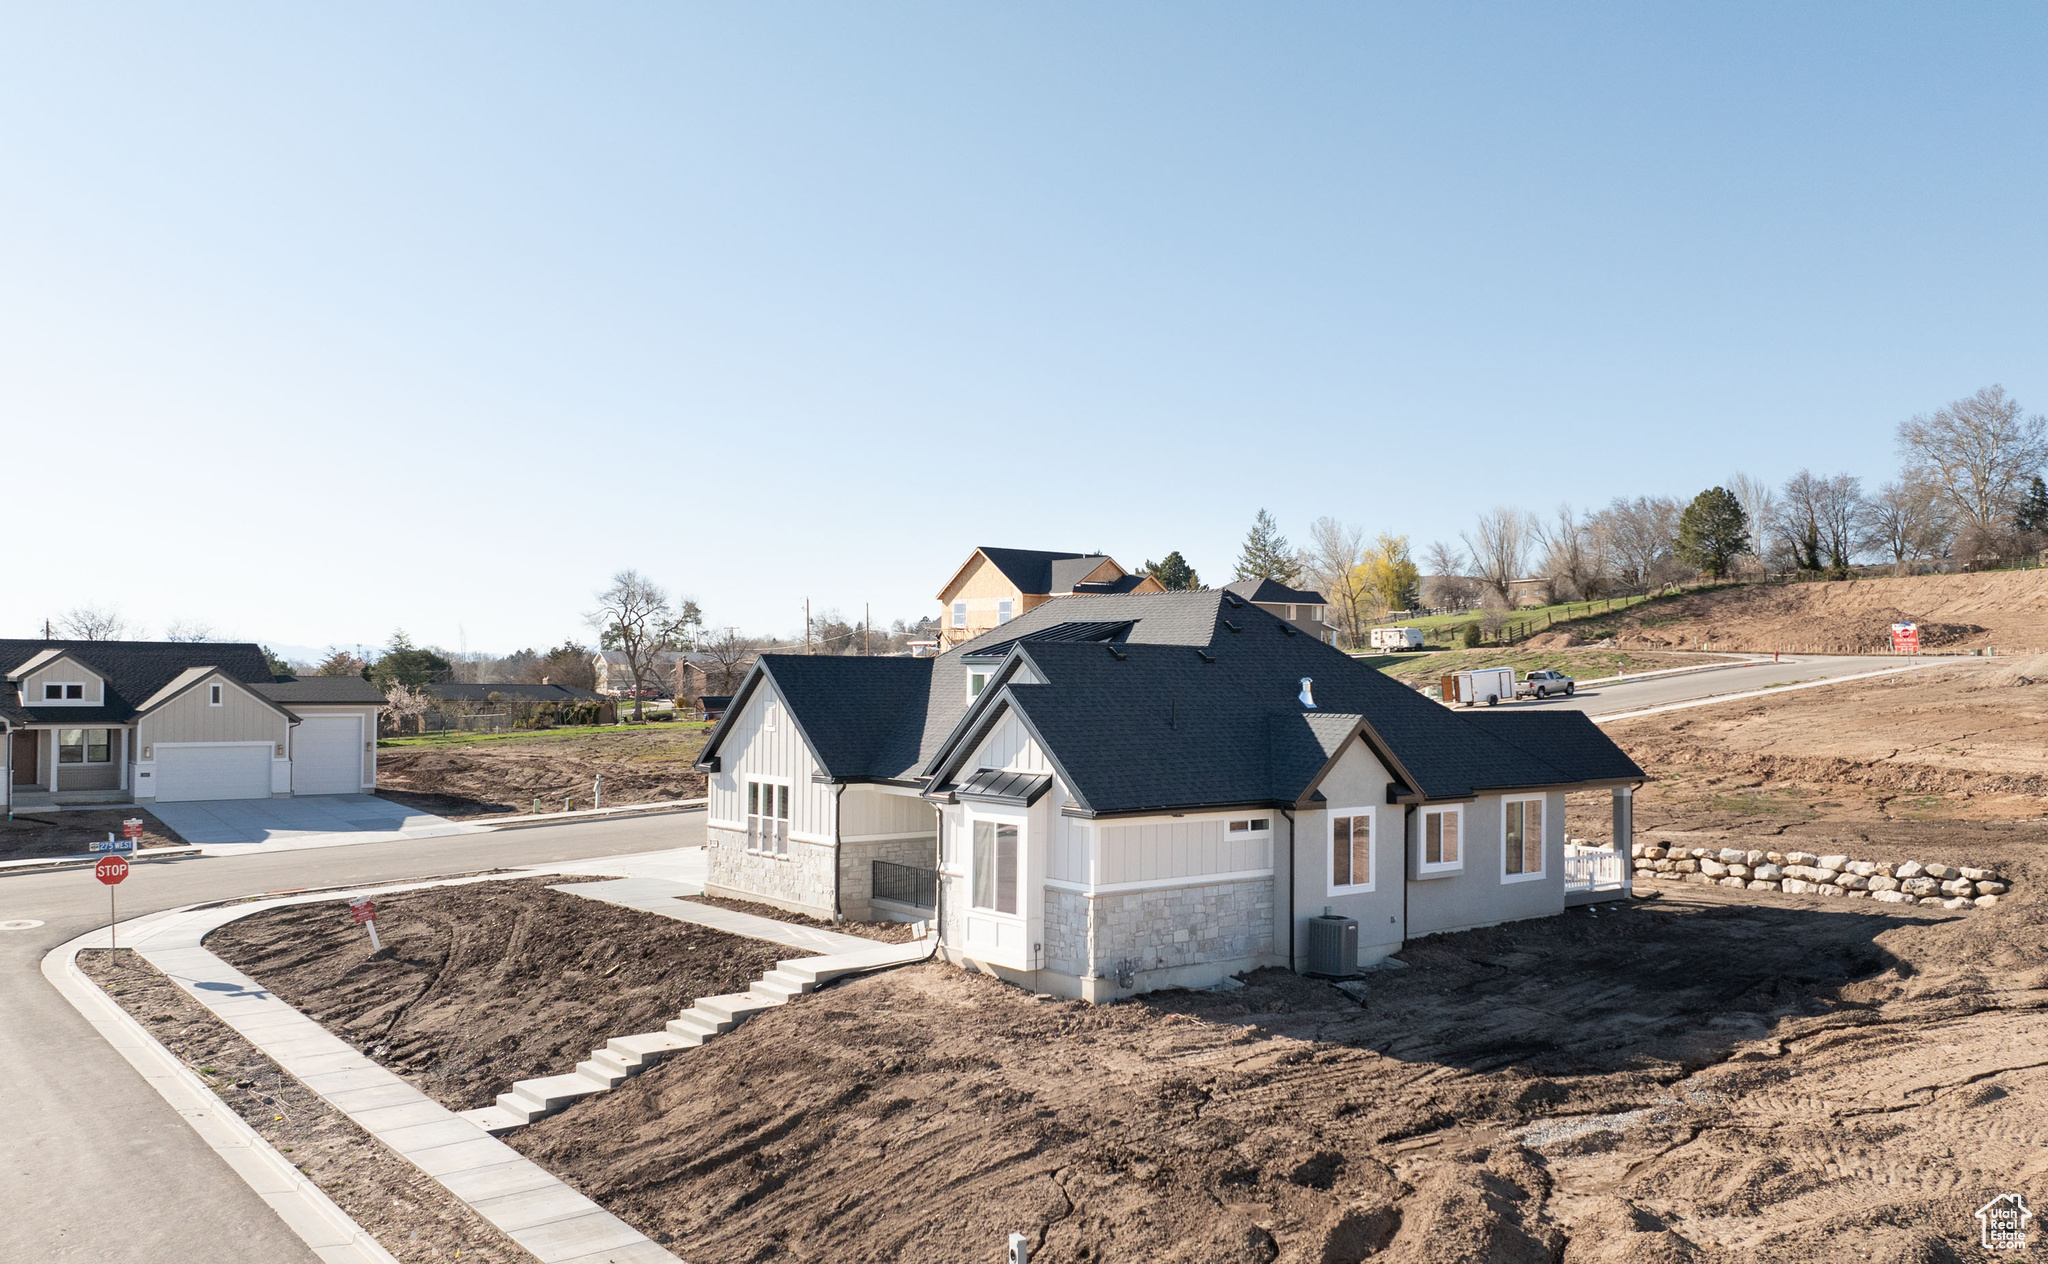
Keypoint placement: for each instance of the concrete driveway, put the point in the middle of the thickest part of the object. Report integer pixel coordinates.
(240, 826)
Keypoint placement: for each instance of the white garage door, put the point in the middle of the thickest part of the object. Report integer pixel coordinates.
(185, 774)
(327, 755)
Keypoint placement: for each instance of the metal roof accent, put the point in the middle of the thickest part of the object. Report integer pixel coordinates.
(1005, 786)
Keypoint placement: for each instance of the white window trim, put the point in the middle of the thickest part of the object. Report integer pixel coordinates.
(84, 698)
(965, 859)
(959, 614)
(1006, 610)
(1372, 852)
(1543, 849)
(216, 694)
(748, 818)
(972, 676)
(85, 760)
(1423, 867)
(1251, 827)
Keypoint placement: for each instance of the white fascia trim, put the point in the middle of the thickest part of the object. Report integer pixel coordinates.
(1157, 884)
(822, 840)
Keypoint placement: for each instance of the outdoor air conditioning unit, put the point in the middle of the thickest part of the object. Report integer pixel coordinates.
(1333, 946)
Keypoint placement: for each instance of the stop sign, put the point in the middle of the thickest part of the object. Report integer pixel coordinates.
(110, 869)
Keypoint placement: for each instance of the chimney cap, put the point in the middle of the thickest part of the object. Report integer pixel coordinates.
(1308, 698)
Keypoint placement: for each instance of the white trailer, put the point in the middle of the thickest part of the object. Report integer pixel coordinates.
(1397, 638)
(1483, 685)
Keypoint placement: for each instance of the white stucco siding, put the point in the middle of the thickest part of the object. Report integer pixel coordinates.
(764, 743)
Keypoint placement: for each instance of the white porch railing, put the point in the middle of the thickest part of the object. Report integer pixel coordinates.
(1593, 869)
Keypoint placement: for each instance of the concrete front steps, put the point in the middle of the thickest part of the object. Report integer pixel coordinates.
(627, 1056)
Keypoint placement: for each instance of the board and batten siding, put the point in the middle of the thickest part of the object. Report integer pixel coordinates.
(1009, 746)
(868, 813)
(1189, 847)
(752, 749)
(62, 671)
(189, 717)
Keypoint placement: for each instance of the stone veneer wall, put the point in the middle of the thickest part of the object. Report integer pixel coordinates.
(857, 874)
(801, 880)
(1066, 932)
(1141, 931)
(1803, 873)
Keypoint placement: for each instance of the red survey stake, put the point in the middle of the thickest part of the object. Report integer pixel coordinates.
(365, 914)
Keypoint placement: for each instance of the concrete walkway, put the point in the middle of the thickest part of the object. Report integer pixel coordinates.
(661, 896)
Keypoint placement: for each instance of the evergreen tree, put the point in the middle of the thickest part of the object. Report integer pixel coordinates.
(1267, 555)
(2032, 514)
(1712, 531)
(1174, 572)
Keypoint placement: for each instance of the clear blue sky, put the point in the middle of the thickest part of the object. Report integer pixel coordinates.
(315, 321)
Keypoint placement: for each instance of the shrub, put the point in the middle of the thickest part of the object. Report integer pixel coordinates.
(1468, 635)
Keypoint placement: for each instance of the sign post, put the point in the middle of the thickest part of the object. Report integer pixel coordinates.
(365, 914)
(110, 870)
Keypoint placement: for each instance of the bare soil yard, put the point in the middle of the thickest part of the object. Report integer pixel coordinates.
(888, 932)
(402, 1207)
(491, 982)
(35, 835)
(2006, 609)
(471, 774)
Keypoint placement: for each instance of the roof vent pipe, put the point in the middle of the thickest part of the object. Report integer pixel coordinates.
(1307, 699)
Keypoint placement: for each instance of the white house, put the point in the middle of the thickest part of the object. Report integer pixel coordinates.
(1115, 793)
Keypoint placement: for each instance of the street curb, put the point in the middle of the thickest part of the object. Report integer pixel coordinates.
(1769, 693)
(41, 864)
(556, 818)
(327, 1230)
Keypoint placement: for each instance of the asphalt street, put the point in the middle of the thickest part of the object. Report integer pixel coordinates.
(97, 1167)
(1660, 691)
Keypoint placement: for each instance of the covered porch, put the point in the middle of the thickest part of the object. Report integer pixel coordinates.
(55, 765)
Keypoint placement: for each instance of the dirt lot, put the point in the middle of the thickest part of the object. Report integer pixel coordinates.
(477, 775)
(488, 983)
(1932, 760)
(1700, 1080)
(38, 835)
(403, 1208)
(888, 932)
(2007, 609)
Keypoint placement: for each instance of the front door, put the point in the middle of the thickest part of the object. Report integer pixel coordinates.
(25, 759)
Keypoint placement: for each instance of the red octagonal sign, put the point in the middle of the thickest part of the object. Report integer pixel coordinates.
(110, 869)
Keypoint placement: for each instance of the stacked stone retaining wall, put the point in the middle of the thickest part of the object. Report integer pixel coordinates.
(1803, 873)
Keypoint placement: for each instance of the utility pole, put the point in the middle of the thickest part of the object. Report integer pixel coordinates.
(867, 628)
(807, 625)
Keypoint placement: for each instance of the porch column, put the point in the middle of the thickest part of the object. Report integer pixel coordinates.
(121, 758)
(54, 735)
(1625, 833)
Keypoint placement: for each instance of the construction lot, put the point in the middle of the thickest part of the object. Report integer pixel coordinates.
(478, 774)
(1711, 1075)
(43, 835)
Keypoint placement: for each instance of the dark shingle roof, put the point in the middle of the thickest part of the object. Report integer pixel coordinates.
(133, 669)
(1036, 570)
(334, 690)
(1176, 711)
(1274, 592)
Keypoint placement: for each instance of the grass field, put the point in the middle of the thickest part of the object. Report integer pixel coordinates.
(1442, 629)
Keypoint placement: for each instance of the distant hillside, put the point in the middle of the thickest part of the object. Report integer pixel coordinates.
(2006, 609)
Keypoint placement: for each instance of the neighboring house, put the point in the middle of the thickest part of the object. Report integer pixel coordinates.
(615, 674)
(1120, 793)
(522, 701)
(994, 586)
(148, 721)
(1303, 609)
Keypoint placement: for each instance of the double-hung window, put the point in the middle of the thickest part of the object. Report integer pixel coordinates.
(1441, 842)
(84, 746)
(995, 867)
(1350, 851)
(768, 818)
(1521, 839)
(959, 614)
(1004, 610)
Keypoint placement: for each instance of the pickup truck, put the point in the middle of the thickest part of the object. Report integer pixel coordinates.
(1542, 684)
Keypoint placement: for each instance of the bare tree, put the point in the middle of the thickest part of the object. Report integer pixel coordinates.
(635, 616)
(1499, 546)
(93, 623)
(189, 630)
(1842, 513)
(1445, 583)
(1819, 518)
(1571, 553)
(1332, 563)
(1760, 505)
(729, 656)
(1979, 454)
(1907, 520)
(1636, 536)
